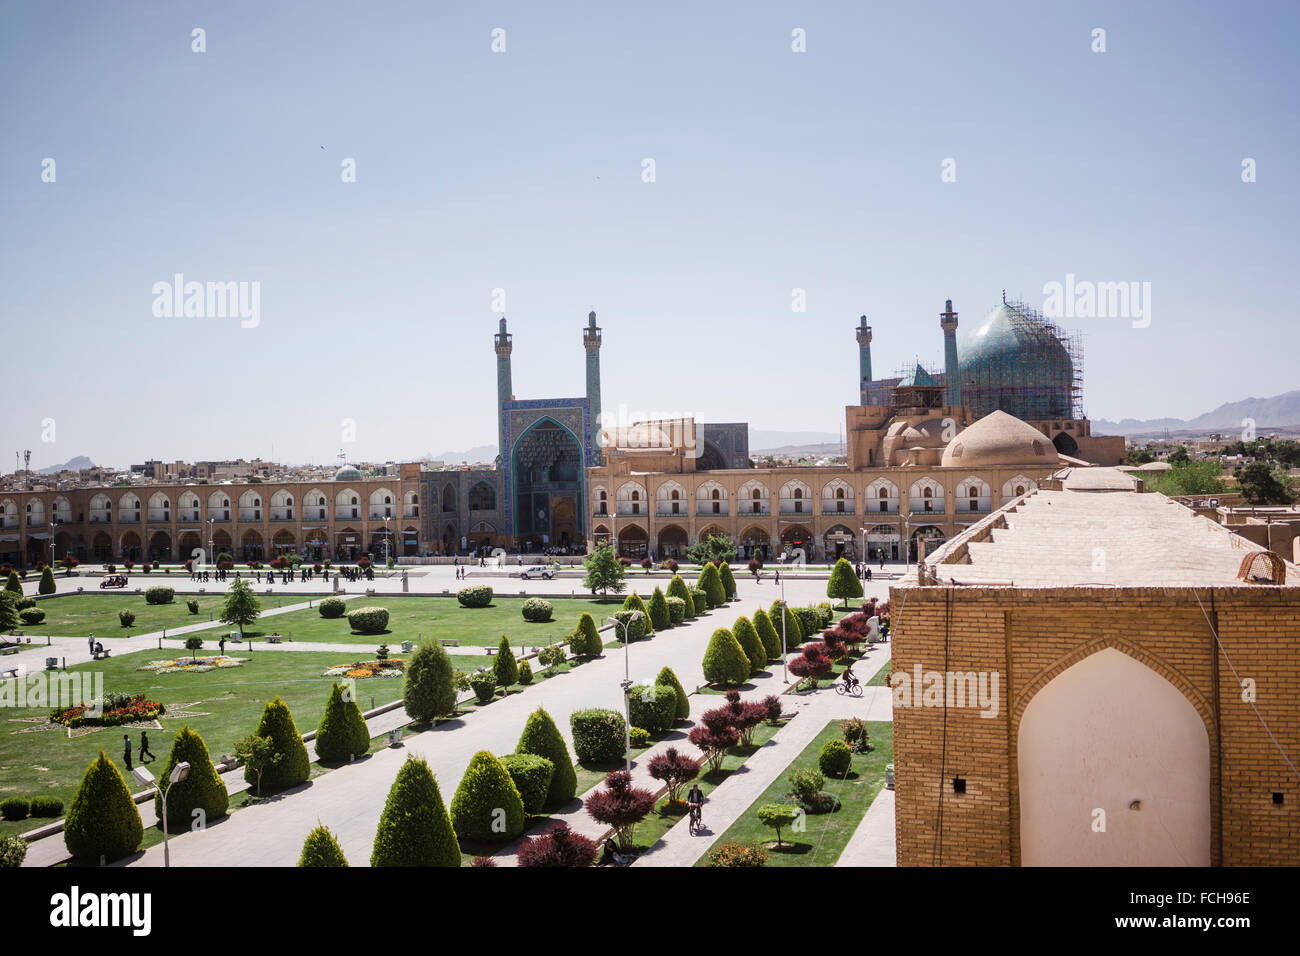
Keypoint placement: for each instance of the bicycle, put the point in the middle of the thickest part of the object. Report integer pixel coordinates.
(853, 690)
(694, 824)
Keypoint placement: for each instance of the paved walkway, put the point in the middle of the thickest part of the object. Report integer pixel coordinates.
(873, 842)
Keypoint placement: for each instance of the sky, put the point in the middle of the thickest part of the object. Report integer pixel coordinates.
(525, 170)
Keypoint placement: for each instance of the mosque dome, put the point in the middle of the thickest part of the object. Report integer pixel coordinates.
(1015, 361)
(999, 439)
(348, 473)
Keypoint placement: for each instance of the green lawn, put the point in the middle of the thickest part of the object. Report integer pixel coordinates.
(410, 618)
(881, 676)
(825, 834)
(225, 705)
(80, 614)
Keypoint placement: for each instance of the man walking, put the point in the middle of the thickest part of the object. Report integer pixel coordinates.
(126, 751)
(144, 748)
(222, 644)
(91, 641)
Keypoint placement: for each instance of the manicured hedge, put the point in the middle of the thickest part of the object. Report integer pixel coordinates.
(537, 611)
(633, 602)
(676, 610)
(710, 583)
(666, 676)
(542, 738)
(159, 595)
(487, 804)
(430, 689)
(660, 618)
(476, 595)
(699, 601)
(750, 643)
(415, 829)
(532, 777)
(835, 758)
(810, 620)
(767, 634)
(321, 849)
(728, 580)
(585, 640)
(677, 588)
(369, 620)
(201, 790)
(725, 661)
(102, 820)
(43, 806)
(293, 767)
(342, 732)
(634, 628)
(14, 808)
(32, 616)
(598, 735)
(654, 708)
(484, 685)
(332, 608)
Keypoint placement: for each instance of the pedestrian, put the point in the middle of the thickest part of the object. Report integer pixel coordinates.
(778, 576)
(91, 641)
(868, 574)
(222, 645)
(126, 751)
(144, 747)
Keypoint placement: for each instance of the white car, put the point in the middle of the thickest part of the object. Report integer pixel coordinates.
(538, 571)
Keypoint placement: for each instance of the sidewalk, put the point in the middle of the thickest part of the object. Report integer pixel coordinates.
(873, 842)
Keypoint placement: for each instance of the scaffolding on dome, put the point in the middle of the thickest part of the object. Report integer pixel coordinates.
(1029, 381)
(885, 391)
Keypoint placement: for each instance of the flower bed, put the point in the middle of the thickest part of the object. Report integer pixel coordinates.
(136, 708)
(359, 670)
(192, 665)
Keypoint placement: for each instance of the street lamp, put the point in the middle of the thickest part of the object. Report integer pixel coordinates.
(212, 541)
(627, 687)
(179, 773)
(785, 667)
(387, 548)
(907, 544)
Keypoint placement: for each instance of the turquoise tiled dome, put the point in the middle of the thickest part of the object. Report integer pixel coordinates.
(1013, 361)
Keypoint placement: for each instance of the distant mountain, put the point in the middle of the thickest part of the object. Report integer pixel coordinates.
(477, 453)
(1280, 411)
(816, 450)
(769, 442)
(75, 464)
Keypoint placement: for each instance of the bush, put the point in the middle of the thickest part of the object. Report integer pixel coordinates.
(532, 778)
(46, 806)
(806, 784)
(638, 737)
(660, 619)
(710, 583)
(32, 616)
(192, 607)
(476, 595)
(827, 612)
(699, 601)
(725, 661)
(585, 640)
(728, 580)
(12, 851)
(47, 585)
(102, 820)
(293, 766)
(677, 589)
(542, 738)
(525, 673)
(321, 849)
(835, 759)
(487, 804)
(598, 735)
(748, 638)
(772, 704)
(332, 607)
(126, 618)
(24, 603)
(484, 685)
(620, 805)
(854, 730)
(201, 790)
(537, 611)
(559, 846)
(737, 854)
(633, 602)
(342, 732)
(767, 634)
(635, 628)
(430, 688)
(794, 635)
(654, 708)
(159, 595)
(810, 620)
(414, 829)
(504, 666)
(676, 611)
(666, 676)
(369, 620)
(14, 808)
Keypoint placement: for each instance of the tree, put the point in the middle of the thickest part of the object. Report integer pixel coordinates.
(542, 737)
(715, 546)
(504, 667)
(1179, 456)
(745, 716)
(487, 804)
(677, 588)
(728, 580)
(778, 815)
(767, 634)
(13, 585)
(585, 640)
(342, 732)
(294, 766)
(1261, 486)
(242, 606)
(667, 677)
(605, 572)
(559, 846)
(1138, 456)
(430, 689)
(551, 657)
(201, 790)
(621, 806)
(321, 849)
(660, 620)
(102, 820)
(725, 661)
(1188, 478)
(414, 829)
(8, 610)
(194, 644)
(673, 769)
(47, 585)
(710, 583)
(794, 635)
(812, 664)
(749, 642)
(843, 582)
(715, 735)
(258, 756)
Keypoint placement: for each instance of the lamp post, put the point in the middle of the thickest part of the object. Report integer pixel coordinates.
(627, 688)
(785, 667)
(212, 541)
(907, 544)
(179, 773)
(387, 547)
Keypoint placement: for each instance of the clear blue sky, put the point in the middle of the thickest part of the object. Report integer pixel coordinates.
(522, 170)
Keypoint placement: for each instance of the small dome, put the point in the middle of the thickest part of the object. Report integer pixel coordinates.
(348, 473)
(999, 439)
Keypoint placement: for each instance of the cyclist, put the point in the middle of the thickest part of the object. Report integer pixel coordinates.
(850, 679)
(695, 800)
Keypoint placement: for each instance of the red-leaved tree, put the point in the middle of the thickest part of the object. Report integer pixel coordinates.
(674, 769)
(559, 846)
(715, 735)
(811, 664)
(621, 806)
(745, 717)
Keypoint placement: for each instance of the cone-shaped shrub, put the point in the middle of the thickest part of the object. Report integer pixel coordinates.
(666, 676)
(525, 673)
(414, 829)
(767, 634)
(342, 732)
(744, 632)
(633, 602)
(542, 737)
(504, 667)
(843, 582)
(532, 776)
(728, 580)
(321, 849)
(794, 635)
(710, 583)
(201, 790)
(586, 641)
(677, 588)
(13, 585)
(725, 661)
(102, 820)
(430, 689)
(47, 585)
(294, 766)
(487, 804)
(658, 606)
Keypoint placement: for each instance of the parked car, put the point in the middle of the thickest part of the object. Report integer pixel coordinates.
(538, 571)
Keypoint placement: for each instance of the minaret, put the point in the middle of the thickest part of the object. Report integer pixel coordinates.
(591, 342)
(948, 322)
(864, 358)
(503, 341)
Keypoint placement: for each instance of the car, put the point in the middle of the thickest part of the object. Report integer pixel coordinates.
(538, 571)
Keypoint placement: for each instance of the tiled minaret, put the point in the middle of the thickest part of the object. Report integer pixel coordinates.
(948, 322)
(591, 342)
(505, 392)
(864, 358)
